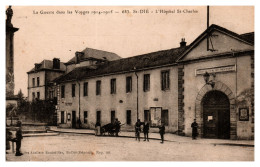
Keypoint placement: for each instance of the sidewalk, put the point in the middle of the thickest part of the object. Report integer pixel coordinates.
(168, 137)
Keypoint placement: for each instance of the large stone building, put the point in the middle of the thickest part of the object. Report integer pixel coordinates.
(204, 80)
(9, 40)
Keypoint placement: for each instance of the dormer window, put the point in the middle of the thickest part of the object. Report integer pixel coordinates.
(79, 56)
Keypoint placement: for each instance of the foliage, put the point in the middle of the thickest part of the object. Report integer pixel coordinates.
(11, 110)
(245, 98)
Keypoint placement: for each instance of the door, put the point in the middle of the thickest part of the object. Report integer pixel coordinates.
(216, 115)
(113, 116)
(62, 117)
(74, 119)
(210, 119)
(99, 116)
(223, 124)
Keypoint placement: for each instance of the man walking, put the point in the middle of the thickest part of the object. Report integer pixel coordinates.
(162, 132)
(146, 131)
(138, 129)
(117, 125)
(194, 126)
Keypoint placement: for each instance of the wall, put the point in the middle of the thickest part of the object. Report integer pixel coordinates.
(235, 81)
(41, 88)
(107, 102)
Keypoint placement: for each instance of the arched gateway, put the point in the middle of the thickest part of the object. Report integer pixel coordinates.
(215, 112)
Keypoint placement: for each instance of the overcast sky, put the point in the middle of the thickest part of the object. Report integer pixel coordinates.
(45, 36)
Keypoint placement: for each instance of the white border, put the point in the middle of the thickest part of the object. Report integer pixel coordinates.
(124, 3)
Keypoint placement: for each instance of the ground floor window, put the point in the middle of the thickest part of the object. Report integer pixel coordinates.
(85, 117)
(113, 116)
(62, 117)
(98, 116)
(128, 117)
(147, 116)
(165, 117)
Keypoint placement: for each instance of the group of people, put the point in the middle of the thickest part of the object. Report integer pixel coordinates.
(146, 127)
(17, 139)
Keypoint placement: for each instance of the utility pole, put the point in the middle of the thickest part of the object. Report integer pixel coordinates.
(137, 106)
(207, 28)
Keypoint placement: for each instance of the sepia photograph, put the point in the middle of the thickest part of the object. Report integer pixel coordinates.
(130, 83)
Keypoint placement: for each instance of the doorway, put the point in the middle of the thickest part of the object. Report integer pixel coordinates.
(73, 119)
(216, 115)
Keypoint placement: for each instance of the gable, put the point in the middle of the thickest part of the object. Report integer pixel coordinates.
(222, 43)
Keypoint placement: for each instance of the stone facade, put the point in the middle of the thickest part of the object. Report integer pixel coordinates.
(228, 67)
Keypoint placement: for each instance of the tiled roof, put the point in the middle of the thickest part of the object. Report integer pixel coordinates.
(97, 54)
(48, 65)
(160, 58)
(150, 60)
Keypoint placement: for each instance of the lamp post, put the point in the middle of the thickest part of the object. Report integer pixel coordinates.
(206, 77)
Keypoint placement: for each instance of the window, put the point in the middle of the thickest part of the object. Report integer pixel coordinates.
(128, 84)
(62, 91)
(85, 89)
(33, 82)
(38, 95)
(164, 117)
(98, 87)
(62, 117)
(165, 80)
(99, 116)
(147, 116)
(113, 116)
(146, 82)
(128, 117)
(33, 96)
(69, 116)
(113, 86)
(85, 117)
(73, 88)
(51, 94)
(38, 81)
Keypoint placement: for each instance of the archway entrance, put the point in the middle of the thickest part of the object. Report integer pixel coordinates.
(216, 115)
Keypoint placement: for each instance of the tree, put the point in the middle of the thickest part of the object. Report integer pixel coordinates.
(11, 111)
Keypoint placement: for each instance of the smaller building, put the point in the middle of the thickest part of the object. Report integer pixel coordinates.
(40, 79)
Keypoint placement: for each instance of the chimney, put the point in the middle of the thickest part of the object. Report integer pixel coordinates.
(79, 55)
(37, 66)
(56, 63)
(182, 43)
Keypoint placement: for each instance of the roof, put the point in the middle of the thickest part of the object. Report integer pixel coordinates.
(160, 58)
(145, 61)
(96, 54)
(47, 65)
(249, 36)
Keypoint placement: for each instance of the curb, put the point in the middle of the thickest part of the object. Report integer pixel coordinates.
(133, 137)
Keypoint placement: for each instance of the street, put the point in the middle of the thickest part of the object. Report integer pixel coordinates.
(71, 147)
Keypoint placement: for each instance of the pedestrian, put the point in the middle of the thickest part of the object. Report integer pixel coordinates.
(97, 129)
(18, 139)
(162, 132)
(194, 126)
(117, 126)
(137, 129)
(8, 139)
(146, 131)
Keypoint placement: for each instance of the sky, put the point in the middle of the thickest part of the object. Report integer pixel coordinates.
(46, 32)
